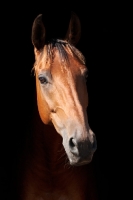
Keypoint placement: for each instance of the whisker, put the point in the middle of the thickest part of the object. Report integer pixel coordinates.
(62, 156)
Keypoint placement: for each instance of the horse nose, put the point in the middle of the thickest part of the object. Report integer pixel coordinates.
(82, 147)
(73, 146)
(94, 143)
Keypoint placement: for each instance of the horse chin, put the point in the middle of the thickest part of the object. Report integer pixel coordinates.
(79, 161)
(79, 164)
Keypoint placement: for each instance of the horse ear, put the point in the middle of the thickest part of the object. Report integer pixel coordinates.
(38, 33)
(74, 29)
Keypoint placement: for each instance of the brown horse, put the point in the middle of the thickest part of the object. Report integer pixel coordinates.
(58, 164)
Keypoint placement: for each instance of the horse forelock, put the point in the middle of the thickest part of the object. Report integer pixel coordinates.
(64, 48)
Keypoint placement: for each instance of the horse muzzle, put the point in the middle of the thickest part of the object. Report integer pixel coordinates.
(80, 150)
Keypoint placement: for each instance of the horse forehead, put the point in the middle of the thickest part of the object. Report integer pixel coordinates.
(68, 65)
(59, 65)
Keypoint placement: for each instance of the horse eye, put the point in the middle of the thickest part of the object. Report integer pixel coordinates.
(86, 75)
(43, 80)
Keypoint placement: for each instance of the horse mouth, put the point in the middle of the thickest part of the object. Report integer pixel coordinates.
(80, 161)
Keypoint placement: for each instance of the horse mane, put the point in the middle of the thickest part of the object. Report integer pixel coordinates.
(64, 48)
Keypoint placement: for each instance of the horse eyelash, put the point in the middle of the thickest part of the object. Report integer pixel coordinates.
(43, 80)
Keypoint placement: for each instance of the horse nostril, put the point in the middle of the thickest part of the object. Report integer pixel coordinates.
(72, 143)
(73, 146)
(94, 145)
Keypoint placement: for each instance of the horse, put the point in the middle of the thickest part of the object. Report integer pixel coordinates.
(58, 160)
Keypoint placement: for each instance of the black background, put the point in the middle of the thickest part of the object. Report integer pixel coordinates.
(101, 30)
